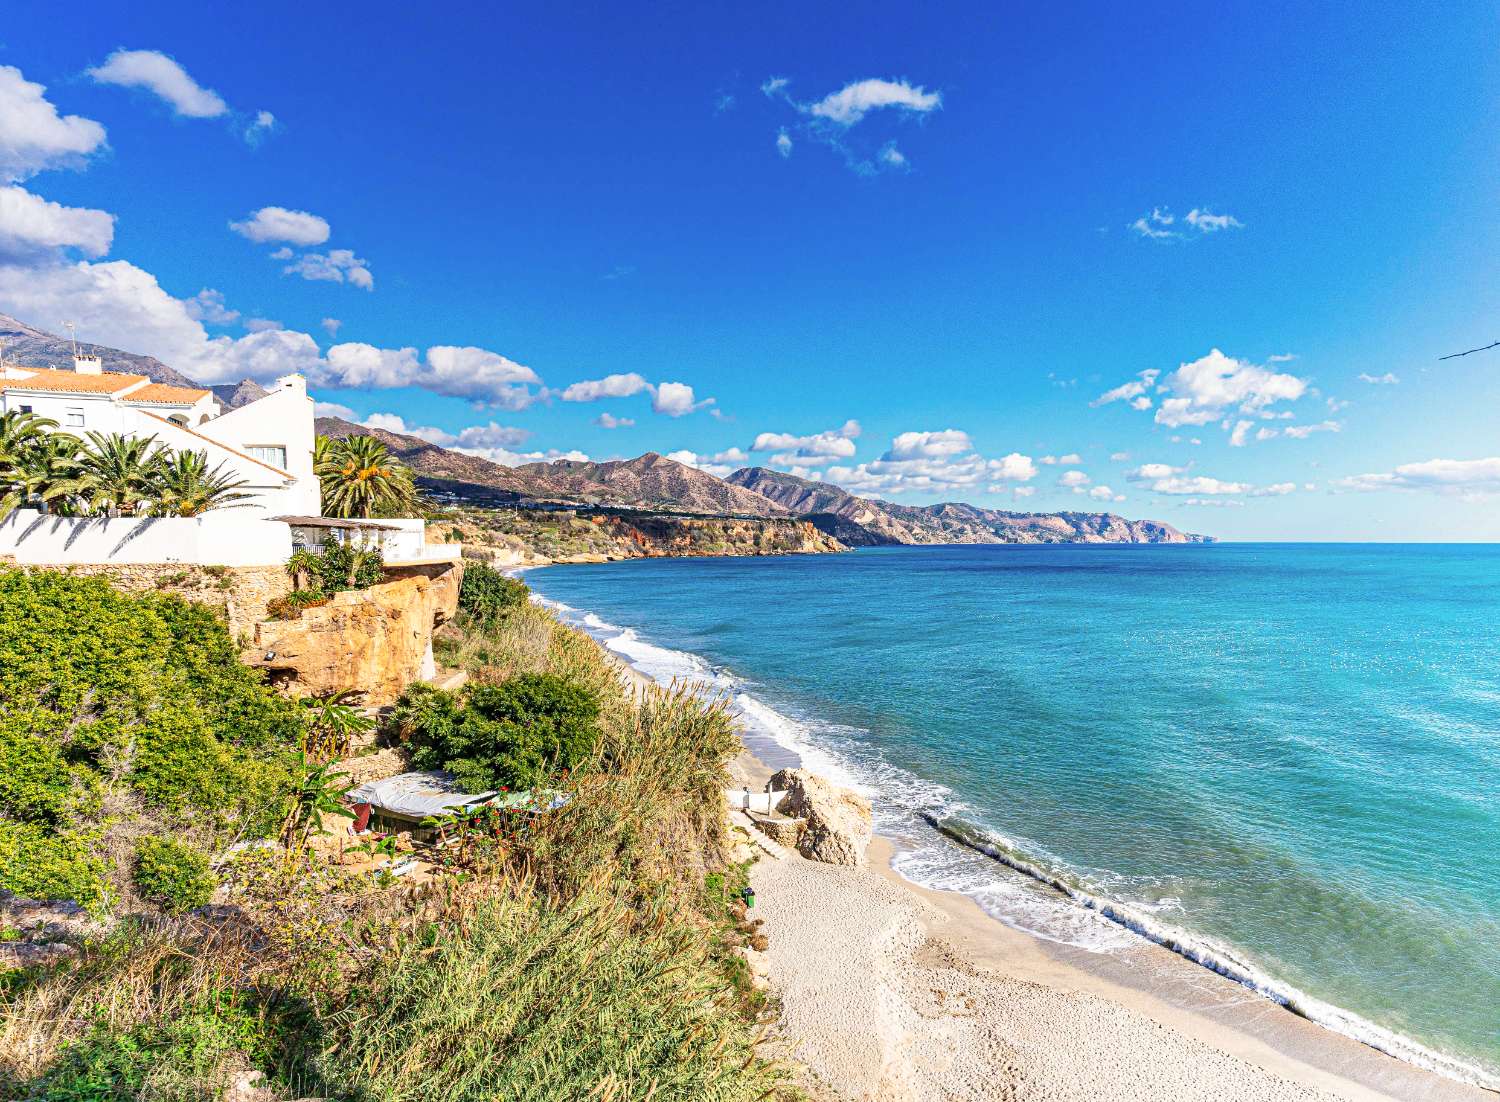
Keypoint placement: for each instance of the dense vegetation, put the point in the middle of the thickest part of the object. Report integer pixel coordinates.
(106, 474)
(586, 953)
(318, 575)
(118, 711)
(485, 594)
(360, 479)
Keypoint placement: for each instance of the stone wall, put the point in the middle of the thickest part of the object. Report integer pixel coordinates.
(241, 593)
(376, 640)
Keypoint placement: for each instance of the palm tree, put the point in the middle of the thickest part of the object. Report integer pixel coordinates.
(18, 432)
(187, 488)
(120, 473)
(46, 475)
(360, 479)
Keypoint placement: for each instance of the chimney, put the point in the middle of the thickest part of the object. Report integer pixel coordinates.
(86, 363)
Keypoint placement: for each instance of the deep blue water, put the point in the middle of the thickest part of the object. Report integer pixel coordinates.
(1287, 755)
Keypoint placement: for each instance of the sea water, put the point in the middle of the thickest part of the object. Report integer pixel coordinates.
(1282, 761)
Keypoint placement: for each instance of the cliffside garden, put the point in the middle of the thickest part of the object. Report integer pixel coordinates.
(210, 939)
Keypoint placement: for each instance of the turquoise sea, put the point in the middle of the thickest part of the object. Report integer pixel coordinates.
(1283, 758)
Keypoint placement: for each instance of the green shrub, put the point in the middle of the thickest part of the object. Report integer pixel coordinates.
(486, 594)
(38, 864)
(517, 734)
(173, 875)
(294, 603)
(342, 567)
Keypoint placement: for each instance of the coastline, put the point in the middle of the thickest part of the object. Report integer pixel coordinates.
(893, 990)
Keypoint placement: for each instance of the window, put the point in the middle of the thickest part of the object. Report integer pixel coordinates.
(25, 409)
(274, 454)
(73, 417)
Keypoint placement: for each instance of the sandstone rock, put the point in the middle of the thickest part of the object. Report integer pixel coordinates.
(378, 640)
(787, 832)
(839, 825)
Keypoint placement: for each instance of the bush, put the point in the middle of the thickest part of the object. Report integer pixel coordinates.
(38, 864)
(294, 603)
(342, 567)
(486, 594)
(173, 875)
(517, 734)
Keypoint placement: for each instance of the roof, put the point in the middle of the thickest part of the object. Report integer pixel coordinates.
(336, 522)
(417, 795)
(219, 444)
(166, 395)
(72, 382)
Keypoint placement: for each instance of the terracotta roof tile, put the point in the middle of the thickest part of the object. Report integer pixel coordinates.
(71, 382)
(167, 395)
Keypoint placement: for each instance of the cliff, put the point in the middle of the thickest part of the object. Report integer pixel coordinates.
(514, 536)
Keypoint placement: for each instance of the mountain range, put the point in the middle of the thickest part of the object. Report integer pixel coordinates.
(651, 481)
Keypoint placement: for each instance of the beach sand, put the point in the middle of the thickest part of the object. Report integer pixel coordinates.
(893, 992)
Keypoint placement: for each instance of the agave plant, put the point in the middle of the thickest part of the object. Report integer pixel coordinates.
(187, 488)
(120, 474)
(360, 479)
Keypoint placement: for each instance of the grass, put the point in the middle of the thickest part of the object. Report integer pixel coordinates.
(591, 956)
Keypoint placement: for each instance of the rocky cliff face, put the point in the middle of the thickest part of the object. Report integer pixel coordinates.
(519, 536)
(378, 640)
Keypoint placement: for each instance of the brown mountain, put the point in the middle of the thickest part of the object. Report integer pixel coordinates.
(436, 468)
(856, 520)
(650, 481)
(26, 346)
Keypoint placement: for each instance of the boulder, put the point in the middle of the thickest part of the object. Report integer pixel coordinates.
(838, 823)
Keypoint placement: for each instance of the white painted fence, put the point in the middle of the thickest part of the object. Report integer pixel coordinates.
(218, 539)
(761, 802)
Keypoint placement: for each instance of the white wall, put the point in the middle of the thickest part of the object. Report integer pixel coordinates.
(100, 412)
(216, 539)
(285, 417)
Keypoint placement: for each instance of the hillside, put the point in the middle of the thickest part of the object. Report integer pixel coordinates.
(844, 516)
(649, 481)
(26, 346)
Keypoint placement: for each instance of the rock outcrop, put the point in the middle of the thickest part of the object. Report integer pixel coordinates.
(838, 824)
(378, 640)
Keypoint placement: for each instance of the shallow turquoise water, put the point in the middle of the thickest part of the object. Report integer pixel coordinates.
(1283, 755)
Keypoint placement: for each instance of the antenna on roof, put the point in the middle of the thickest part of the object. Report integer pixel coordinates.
(73, 335)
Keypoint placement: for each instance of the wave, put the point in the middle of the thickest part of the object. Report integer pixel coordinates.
(1064, 909)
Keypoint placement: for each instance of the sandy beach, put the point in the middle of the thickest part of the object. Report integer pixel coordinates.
(893, 992)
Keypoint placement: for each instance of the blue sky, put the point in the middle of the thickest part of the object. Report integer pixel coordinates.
(935, 223)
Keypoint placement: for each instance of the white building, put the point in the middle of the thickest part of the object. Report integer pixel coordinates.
(267, 443)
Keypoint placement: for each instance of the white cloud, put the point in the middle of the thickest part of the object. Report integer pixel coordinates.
(676, 399)
(610, 421)
(1163, 478)
(262, 325)
(477, 374)
(331, 326)
(611, 386)
(1241, 431)
(1074, 480)
(1072, 459)
(33, 136)
(1267, 434)
(1277, 489)
(334, 409)
(928, 445)
(1014, 467)
(259, 127)
(282, 253)
(783, 142)
(855, 100)
(280, 224)
(1471, 479)
(774, 85)
(891, 156)
(480, 440)
(1302, 432)
(1104, 493)
(1207, 222)
(335, 266)
(161, 75)
(208, 305)
(29, 223)
(1156, 225)
(1214, 502)
(1281, 358)
(719, 465)
(809, 451)
(1387, 379)
(1018, 491)
(1119, 457)
(1135, 388)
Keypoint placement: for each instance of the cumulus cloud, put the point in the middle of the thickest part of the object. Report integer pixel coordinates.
(1074, 480)
(160, 75)
(1470, 479)
(1302, 432)
(1156, 225)
(29, 224)
(1104, 493)
(814, 450)
(1162, 478)
(482, 376)
(718, 465)
(1072, 459)
(33, 136)
(933, 462)
(1119, 457)
(676, 400)
(830, 120)
(208, 305)
(783, 143)
(334, 409)
(1388, 379)
(331, 326)
(891, 156)
(259, 128)
(481, 440)
(262, 325)
(1209, 389)
(1137, 387)
(334, 266)
(610, 421)
(1207, 222)
(296, 227)
(611, 386)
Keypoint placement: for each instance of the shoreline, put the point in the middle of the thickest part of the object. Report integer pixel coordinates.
(1220, 1039)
